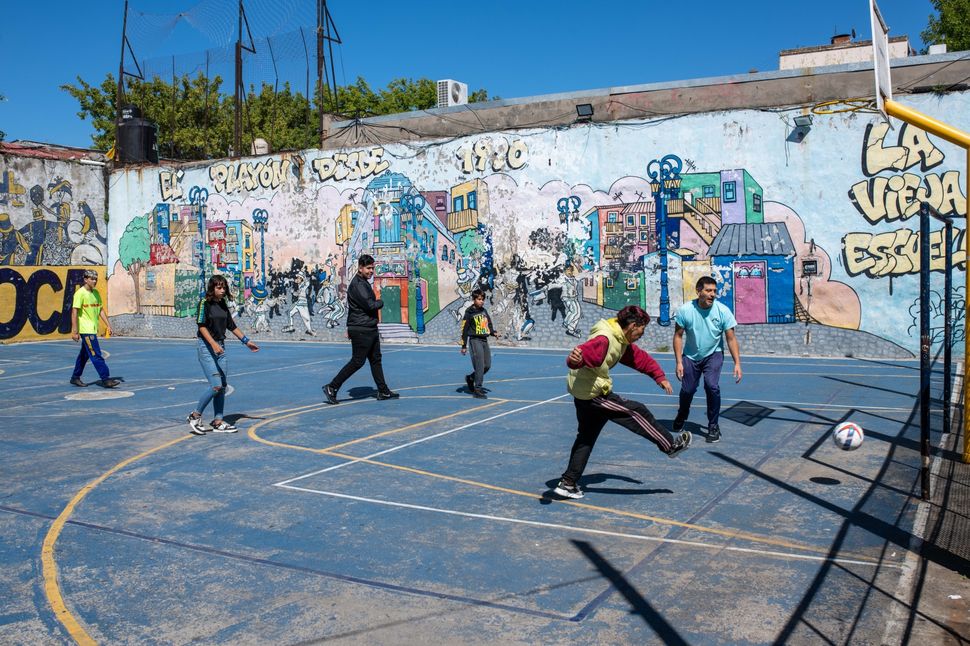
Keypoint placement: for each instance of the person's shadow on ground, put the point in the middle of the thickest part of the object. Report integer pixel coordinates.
(597, 478)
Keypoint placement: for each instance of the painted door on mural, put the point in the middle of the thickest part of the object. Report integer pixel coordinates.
(750, 292)
(391, 312)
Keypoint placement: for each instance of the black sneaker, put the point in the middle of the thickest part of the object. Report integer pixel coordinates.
(386, 394)
(567, 490)
(330, 393)
(470, 382)
(479, 394)
(713, 434)
(679, 425)
(681, 443)
(76, 381)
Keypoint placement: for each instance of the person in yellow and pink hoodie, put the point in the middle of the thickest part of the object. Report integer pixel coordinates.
(612, 341)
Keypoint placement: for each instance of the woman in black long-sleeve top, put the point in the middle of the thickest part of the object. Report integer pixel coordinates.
(365, 340)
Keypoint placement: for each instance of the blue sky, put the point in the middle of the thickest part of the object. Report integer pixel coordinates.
(513, 49)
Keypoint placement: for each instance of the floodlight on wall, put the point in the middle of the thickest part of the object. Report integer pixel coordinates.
(584, 111)
(803, 124)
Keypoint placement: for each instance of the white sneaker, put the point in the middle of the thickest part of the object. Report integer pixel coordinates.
(197, 425)
(568, 490)
(223, 427)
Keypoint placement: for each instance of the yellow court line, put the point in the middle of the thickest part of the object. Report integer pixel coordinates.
(49, 566)
(253, 435)
(730, 534)
(52, 588)
(495, 402)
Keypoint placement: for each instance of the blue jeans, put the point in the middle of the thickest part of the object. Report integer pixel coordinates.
(216, 368)
(90, 348)
(710, 368)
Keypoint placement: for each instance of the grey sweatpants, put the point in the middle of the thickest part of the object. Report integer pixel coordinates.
(481, 359)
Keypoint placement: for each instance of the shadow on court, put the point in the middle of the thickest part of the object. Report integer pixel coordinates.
(431, 518)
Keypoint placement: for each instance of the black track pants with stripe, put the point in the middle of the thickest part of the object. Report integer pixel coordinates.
(592, 415)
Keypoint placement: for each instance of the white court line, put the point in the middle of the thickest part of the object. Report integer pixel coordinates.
(419, 441)
(586, 530)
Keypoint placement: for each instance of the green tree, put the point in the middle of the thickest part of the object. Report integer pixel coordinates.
(196, 120)
(951, 25)
(134, 251)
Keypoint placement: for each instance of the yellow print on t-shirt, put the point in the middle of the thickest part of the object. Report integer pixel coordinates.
(481, 324)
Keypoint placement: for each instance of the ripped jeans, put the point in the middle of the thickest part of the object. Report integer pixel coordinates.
(215, 368)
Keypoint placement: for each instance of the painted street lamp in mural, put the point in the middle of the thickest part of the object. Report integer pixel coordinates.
(568, 206)
(414, 206)
(198, 197)
(260, 218)
(665, 184)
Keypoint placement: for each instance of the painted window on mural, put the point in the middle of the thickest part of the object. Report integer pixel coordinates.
(643, 220)
(756, 203)
(644, 236)
(730, 194)
(458, 203)
(608, 282)
(444, 252)
(612, 216)
(709, 190)
(631, 221)
(631, 284)
(473, 200)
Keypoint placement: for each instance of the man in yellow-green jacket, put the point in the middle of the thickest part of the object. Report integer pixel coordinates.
(612, 341)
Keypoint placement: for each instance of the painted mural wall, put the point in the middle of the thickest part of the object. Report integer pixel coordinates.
(52, 228)
(561, 226)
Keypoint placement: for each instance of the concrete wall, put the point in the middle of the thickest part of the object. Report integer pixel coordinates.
(52, 227)
(842, 200)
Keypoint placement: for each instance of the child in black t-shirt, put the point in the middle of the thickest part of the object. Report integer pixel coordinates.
(476, 327)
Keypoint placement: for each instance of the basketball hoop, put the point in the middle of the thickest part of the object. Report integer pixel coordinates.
(880, 60)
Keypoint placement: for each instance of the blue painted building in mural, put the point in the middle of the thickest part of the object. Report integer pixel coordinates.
(755, 267)
(402, 231)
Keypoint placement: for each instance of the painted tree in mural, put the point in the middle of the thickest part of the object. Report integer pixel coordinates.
(471, 244)
(134, 251)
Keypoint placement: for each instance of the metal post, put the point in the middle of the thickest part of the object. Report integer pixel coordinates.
(947, 326)
(960, 138)
(119, 95)
(966, 292)
(237, 112)
(924, 349)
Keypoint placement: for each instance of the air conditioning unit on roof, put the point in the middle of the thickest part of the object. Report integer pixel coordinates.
(452, 93)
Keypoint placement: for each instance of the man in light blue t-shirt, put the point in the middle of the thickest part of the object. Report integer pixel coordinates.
(708, 325)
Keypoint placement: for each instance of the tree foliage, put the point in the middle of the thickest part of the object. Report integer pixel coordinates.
(196, 119)
(951, 25)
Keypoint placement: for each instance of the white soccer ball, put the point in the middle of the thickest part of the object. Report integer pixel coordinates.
(848, 436)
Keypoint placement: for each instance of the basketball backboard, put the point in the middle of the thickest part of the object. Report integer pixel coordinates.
(880, 59)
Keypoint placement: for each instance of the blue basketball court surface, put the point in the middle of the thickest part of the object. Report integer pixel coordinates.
(431, 518)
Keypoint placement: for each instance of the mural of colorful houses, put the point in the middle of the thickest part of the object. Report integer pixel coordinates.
(715, 226)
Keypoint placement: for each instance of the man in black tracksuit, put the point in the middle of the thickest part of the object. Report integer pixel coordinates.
(365, 340)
